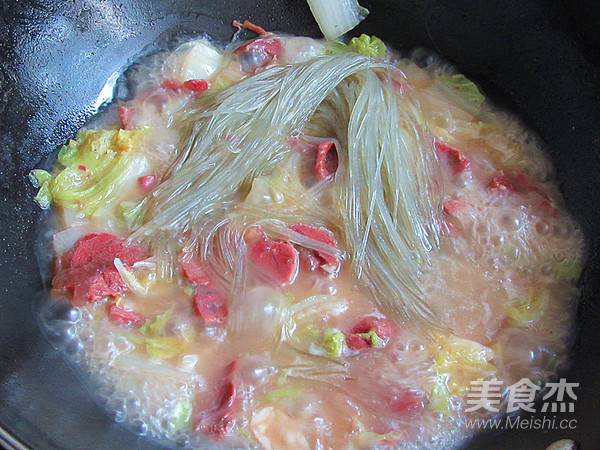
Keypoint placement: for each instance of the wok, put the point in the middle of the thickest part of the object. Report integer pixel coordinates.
(538, 59)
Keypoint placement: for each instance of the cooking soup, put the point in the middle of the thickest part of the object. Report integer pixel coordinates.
(289, 243)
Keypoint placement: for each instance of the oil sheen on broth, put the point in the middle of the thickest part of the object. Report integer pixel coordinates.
(292, 243)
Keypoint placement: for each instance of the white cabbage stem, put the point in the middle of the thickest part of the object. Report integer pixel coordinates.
(336, 17)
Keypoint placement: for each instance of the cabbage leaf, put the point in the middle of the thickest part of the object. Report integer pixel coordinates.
(462, 361)
(181, 415)
(158, 343)
(334, 342)
(369, 46)
(461, 84)
(441, 397)
(283, 393)
(40, 179)
(165, 347)
(569, 270)
(530, 309)
(372, 337)
(369, 439)
(131, 213)
(156, 326)
(97, 166)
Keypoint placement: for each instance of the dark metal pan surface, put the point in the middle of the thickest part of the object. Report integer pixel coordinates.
(540, 59)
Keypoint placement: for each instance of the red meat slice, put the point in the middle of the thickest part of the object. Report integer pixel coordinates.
(89, 283)
(196, 85)
(98, 289)
(176, 86)
(381, 326)
(453, 206)
(130, 254)
(357, 343)
(127, 113)
(67, 257)
(258, 53)
(458, 162)
(275, 260)
(147, 182)
(87, 273)
(193, 270)
(327, 160)
(82, 294)
(171, 85)
(114, 282)
(512, 182)
(219, 420)
(501, 184)
(268, 46)
(124, 317)
(326, 262)
(271, 46)
(309, 259)
(407, 402)
(107, 284)
(520, 183)
(77, 284)
(211, 306)
(99, 248)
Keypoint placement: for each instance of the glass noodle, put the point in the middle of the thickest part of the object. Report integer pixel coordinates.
(384, 192)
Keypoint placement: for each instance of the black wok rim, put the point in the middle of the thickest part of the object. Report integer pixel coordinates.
(521, 103)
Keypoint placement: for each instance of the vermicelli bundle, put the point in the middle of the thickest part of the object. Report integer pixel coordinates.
(382, 200)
